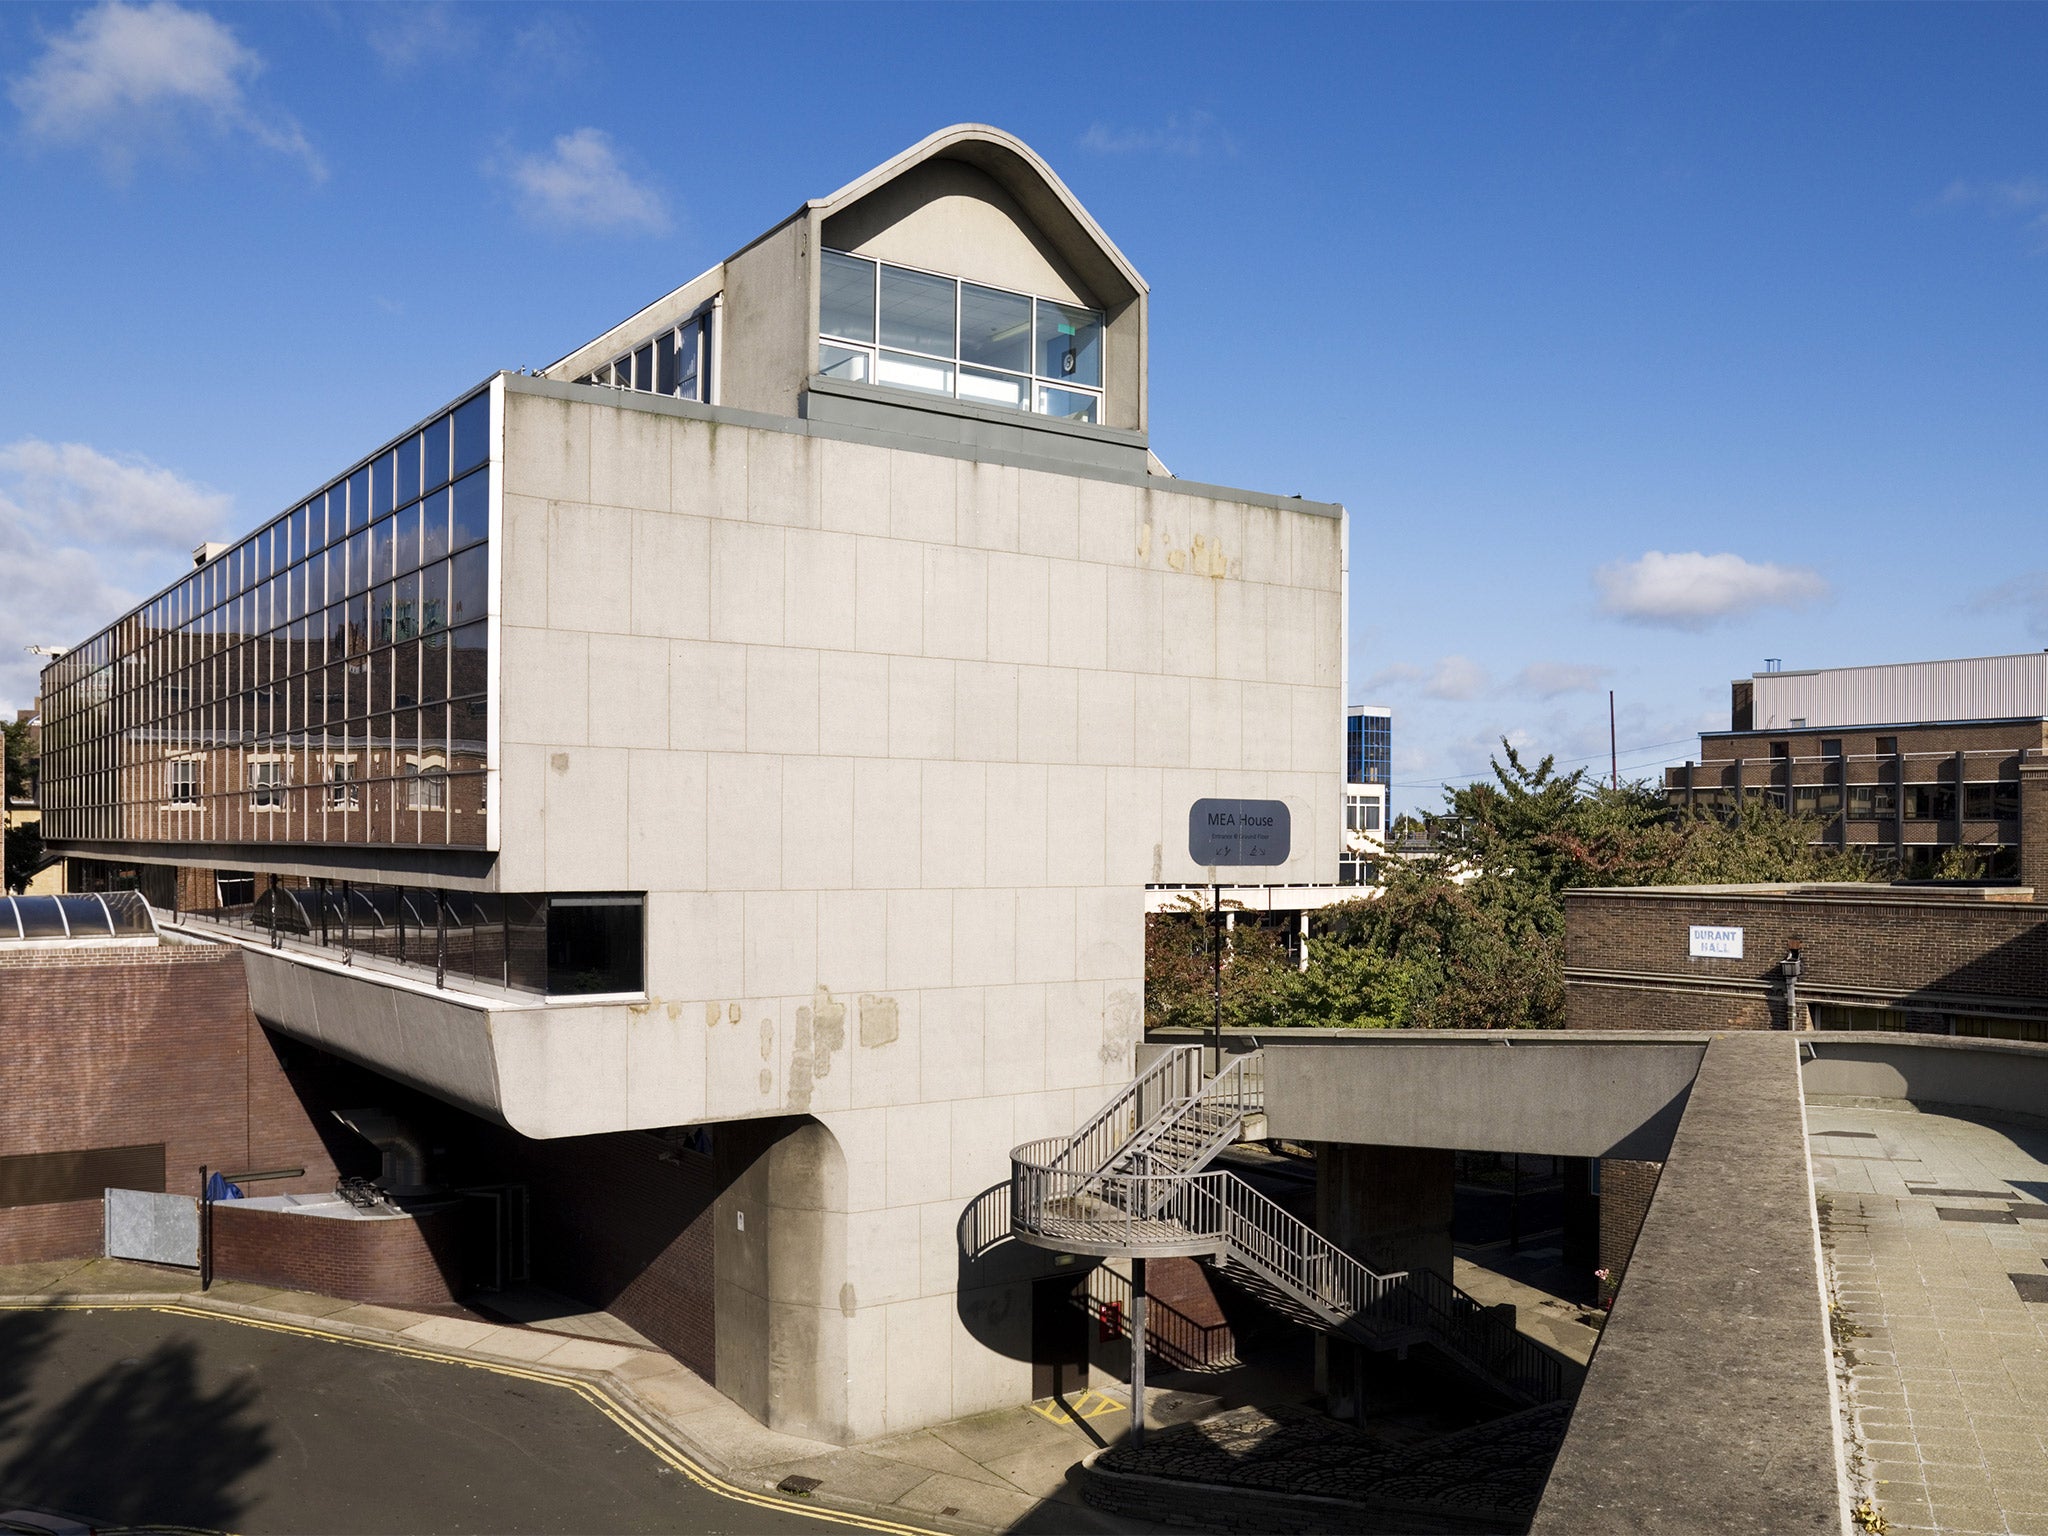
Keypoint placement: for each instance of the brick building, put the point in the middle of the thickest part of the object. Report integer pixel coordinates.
(1900, 763)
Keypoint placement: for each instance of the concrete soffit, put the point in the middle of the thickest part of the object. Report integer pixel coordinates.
(1019, 170)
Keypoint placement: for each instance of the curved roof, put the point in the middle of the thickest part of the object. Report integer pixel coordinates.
(1020, 171)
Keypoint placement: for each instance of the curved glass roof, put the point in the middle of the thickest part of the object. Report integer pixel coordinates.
(42, 919)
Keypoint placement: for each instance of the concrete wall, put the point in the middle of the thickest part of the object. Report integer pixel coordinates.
(893, 741)
(1564, 1095)
(2007, 1077)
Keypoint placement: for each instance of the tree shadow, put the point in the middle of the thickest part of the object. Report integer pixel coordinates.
(138, 1442)
(24, 1337)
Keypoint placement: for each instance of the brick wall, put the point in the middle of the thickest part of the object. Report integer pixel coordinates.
(613, 1224)
(1625, 1191)
(398, 1261)
(1876, 947)
(114, 1046)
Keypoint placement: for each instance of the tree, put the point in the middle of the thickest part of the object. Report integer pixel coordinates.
(24, 856)
(21, 784)
(1471, 934)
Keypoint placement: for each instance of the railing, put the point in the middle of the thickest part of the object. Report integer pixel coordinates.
(1485, 1336)
(985, 1224)
(1182, 1213)
(1217, 1214)
(1172, 1079)
(1171, 1336)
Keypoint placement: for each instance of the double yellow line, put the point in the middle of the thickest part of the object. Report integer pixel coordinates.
(599, 1399)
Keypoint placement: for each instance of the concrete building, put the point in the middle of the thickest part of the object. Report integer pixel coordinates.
(1901, 763)
(767, 719)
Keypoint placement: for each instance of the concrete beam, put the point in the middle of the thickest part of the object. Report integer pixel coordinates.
(1709, 1405)
(1582, 1094)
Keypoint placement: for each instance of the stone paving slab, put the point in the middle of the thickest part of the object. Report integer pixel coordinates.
(1949, 1388)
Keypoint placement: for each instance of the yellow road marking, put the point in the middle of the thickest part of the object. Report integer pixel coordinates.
(601, 1401)
(1089, 1405)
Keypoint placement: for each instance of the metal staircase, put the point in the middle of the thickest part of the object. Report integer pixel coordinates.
(1134, 1182)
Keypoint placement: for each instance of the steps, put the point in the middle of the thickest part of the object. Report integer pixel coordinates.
(1135, 1182)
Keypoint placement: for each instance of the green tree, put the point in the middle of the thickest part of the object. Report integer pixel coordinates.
(24, 856)
(20, 760)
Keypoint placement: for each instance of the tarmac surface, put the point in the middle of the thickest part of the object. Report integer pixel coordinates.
(133, 1417)
(1936, 1229)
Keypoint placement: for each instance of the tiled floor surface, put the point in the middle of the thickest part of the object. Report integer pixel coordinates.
(1937, 1230)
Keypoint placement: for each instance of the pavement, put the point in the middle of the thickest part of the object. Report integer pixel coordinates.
(1007, 1470)
(1937, 1235)
(1547, 1318)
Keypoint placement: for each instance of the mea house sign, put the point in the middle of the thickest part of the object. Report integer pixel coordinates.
(1715, 943)
(1239, 832)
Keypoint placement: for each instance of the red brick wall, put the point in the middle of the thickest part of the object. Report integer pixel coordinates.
(1900, 944)
(399, 1262)
(113, 1046)
(1625, 1191)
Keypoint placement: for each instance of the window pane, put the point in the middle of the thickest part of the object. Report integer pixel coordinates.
(1069, 404)
(917, 311)
(407, 459)
(434, 456)
(995, 328)
(470, 663)
(433, 581)
(846, 297)
(994, 388)
(380, 486)
(472, 510)
(467, 597)
(1069, 343)
(665, 365)
(433, 528)
(472, 433)
(594, 944)
(919, 373)
(843, 363)
(643, 367)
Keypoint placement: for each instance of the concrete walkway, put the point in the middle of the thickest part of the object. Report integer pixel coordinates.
(1004, 1471)
(1937, 1233)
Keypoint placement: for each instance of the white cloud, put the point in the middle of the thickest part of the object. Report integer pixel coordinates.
(404, 35)
(82, 534)
(2029, 594)
(2024, 198)
(1453, 677)
(1549, 679)
(1191, 134)
(1692, 591)
(126, 79)
(580, 184)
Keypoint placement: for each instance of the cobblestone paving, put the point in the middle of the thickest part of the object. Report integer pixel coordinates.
(1492, 1473)
(1935, 1228)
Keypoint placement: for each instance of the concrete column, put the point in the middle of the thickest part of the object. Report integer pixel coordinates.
(780, 1253)
(2034, 822)
(1388, 1206)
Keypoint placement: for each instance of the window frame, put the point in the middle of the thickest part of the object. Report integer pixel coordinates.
(1034, 384)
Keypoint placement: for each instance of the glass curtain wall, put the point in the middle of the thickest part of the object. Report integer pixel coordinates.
(939, 335)
(322, 681)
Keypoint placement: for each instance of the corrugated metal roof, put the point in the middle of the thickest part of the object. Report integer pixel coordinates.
(1974, 688)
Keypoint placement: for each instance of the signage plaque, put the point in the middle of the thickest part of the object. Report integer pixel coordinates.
(1239, 832)
(1715, 943)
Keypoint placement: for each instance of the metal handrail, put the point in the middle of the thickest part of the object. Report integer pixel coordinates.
(1172, 1079)
(1217, 1212)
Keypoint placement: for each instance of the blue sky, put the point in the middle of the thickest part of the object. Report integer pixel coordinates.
(1644, 343)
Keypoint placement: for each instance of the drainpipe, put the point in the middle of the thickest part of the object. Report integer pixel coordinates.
(1790, 968)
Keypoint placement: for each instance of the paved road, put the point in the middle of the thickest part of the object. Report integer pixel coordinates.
(133, 1417)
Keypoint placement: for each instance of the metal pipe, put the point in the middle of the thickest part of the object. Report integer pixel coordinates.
(1137, 1352)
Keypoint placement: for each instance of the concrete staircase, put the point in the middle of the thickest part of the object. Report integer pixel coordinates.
(1135, 1182)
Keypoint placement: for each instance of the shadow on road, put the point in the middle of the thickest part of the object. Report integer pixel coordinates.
(139, 1441)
